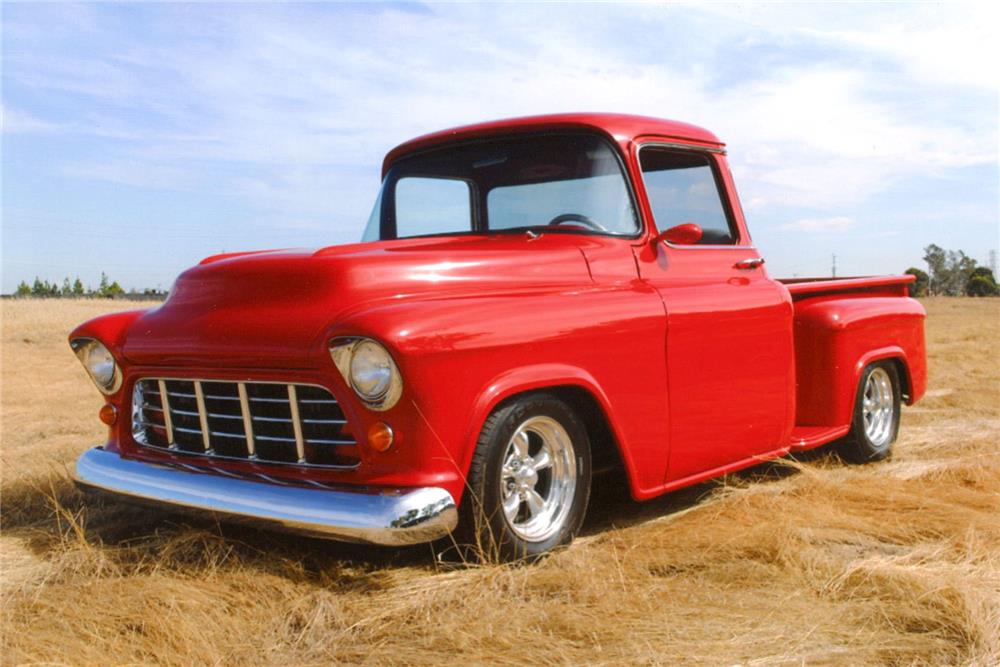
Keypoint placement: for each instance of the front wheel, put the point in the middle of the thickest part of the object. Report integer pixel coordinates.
(529, 481)
(875, 423)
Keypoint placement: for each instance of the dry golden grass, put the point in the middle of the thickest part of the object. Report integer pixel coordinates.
(799, 562)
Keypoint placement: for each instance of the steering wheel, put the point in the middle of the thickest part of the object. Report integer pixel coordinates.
(578, 218)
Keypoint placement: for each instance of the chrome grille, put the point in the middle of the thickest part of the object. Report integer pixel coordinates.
(266, 422)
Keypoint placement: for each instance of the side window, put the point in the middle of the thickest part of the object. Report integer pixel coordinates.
(432, 206)
(682, 188)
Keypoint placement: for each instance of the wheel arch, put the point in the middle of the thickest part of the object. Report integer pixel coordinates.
(571, 384)
(894, 355)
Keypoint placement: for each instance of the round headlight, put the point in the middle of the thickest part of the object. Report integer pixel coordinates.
(371, 370)
(99, 362)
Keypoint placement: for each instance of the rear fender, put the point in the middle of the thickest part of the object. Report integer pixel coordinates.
(893, 352)
(837, 337)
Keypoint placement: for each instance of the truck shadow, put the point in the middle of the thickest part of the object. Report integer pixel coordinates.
(612, 507)
(135, 539)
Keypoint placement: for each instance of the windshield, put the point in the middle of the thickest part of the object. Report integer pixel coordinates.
(558, 183)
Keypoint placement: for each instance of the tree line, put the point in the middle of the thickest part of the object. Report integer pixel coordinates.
(952, 273)
(107, 289)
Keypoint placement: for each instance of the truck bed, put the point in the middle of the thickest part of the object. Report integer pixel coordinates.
(802, 288)
(842, 325)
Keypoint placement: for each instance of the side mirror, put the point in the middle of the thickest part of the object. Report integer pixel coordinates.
(687, 233)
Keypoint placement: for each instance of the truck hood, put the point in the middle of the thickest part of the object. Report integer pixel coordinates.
(275, 309)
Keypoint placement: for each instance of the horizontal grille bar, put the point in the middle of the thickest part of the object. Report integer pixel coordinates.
(262, 422)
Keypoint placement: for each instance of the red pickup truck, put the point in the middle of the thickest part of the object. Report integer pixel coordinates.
(533, 301)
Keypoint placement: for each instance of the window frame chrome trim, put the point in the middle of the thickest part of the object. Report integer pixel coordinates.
(719, 185)
(619, 151)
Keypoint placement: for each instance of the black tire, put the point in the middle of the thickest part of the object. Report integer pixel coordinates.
(866, 443)
(485, 530)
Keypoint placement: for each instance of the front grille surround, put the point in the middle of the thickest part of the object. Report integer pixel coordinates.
(253, 421)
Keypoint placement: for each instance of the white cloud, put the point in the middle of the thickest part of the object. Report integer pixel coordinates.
(18, 122)
(837, 224)
(954, 47)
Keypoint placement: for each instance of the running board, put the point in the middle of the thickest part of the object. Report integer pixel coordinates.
(807, 437)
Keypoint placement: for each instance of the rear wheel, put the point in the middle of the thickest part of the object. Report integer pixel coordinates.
(875, 423)
(529, 481)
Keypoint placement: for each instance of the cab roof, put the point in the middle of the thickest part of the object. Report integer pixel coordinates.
(623, 128)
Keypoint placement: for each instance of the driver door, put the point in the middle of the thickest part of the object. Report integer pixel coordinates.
(729, 349)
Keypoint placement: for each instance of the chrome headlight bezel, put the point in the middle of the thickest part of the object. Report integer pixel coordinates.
(100, 364)
(347, 355)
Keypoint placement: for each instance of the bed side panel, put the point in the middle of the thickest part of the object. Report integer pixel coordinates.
(837, 336)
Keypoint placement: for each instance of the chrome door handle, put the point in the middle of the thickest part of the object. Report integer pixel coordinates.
(751, 263)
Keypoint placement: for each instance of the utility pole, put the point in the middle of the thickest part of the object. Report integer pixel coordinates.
(833, 270)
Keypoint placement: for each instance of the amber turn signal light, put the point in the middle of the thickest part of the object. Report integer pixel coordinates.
(108, 414)
(380, 436)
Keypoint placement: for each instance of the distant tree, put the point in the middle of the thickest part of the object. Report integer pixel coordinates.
(918, 288)
(949, 270)
(39, 287)
(980, 286)
(985, 272)
(963, 267)
(109, 290)
(936, 259)
(981, 282)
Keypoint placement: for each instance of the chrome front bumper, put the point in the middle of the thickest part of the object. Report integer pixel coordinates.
(391, 517)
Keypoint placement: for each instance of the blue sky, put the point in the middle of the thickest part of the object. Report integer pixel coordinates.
(138, 138)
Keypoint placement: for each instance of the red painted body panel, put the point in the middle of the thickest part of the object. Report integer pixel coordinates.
(835, 338)
(692, 361)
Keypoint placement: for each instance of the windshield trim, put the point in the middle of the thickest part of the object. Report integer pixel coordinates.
(386, 224)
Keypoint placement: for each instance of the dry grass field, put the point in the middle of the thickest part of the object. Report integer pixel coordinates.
(798, 562)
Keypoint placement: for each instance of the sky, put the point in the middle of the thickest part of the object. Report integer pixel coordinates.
(139, 138)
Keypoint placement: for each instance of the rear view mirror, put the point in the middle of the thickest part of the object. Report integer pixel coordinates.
(687, 233)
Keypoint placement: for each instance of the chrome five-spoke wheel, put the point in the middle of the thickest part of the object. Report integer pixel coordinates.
(878, 410)
(529, 481)
(538, 479)
(875, 422)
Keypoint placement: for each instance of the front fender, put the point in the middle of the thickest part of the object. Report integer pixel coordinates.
(110, 329)
(538, 377)
(460, 357)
